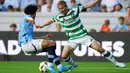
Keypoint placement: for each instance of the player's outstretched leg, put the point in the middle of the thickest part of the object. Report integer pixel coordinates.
(67, 58)
(95, 45)
(52, 55)
(49, 46)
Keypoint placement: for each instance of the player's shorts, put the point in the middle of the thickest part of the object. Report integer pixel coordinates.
(86, 40)
(32, 47)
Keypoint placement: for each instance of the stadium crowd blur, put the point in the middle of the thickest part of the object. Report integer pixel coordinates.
(45, 6)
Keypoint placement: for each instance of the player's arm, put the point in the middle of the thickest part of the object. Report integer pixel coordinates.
(45, 24)
(31, 21)
(91, 4)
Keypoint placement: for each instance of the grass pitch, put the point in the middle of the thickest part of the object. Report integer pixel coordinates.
(83, 67)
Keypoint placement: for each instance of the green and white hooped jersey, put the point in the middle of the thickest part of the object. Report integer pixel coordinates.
(71, 23)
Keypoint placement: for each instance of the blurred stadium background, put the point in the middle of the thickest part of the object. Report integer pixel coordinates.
(13, 60)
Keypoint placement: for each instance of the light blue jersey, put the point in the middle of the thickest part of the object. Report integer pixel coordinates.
(25, 31)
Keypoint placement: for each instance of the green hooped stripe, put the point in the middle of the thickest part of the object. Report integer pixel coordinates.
(61, 17)
(75, 30)
(56, 20)
(72, 25)
(70, 13)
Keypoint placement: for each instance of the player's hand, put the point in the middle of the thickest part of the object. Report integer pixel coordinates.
(49, 35)
(39, 26)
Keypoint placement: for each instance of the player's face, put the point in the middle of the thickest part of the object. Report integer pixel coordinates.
(63, 9)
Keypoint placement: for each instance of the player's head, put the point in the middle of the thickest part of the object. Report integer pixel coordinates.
(62, 6)
(121, 20)
(31, 10)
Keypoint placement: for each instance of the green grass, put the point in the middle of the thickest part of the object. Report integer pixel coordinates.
(83, 67)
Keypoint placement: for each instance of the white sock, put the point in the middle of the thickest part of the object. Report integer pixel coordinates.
(109, 56)
(49, 64)
(59, 66)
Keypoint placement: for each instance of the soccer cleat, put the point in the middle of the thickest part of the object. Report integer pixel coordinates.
(51, 69)
(118, 64)
(72, 67)
(63, 69)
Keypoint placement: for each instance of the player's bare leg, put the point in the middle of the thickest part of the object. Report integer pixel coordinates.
(67, 58)
(95, 45)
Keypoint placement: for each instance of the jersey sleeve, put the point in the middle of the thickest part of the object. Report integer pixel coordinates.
(55, 19)
(28, 17)
(80, 8)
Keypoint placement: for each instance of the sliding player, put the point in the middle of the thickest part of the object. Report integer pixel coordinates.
(33, 46)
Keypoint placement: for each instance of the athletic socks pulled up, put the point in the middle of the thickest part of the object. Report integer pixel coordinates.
(109, 56)
(52, 57)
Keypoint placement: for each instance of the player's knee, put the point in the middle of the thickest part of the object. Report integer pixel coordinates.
(52, 44)
(101, 50)
(46, 44)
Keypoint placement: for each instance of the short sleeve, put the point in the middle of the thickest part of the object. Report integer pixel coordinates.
(115, 28)
(80, 8)
(55, 19)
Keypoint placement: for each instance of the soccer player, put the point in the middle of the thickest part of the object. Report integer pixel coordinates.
(32, 46)
(71, 23)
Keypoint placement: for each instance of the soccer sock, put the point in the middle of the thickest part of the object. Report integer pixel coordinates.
(54, 57)
(50, 60)
(69, 60)
(109, 56)
(50, 56)
(57, 62)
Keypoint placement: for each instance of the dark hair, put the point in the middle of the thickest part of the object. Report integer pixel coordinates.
(92, 30)
(30, 9)
(13, 25)
(10, 7)
(62, 3)
(119, 5)
(121, 17)
(2, 2)
(73, 1)
(127, 7)
(107, 21)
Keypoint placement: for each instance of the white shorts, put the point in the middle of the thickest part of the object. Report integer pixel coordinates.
(86, 40)
(32, 47)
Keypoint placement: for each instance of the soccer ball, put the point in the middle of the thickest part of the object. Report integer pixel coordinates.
(42, 66)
